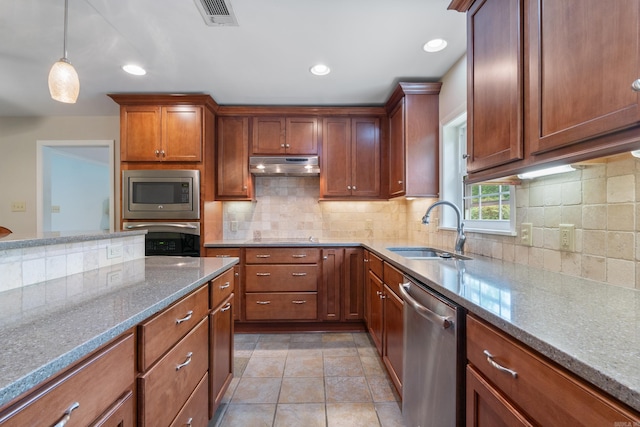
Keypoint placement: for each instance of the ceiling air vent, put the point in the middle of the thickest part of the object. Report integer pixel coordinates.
(217, 13)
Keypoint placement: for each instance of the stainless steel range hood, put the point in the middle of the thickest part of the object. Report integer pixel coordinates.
(284, 166)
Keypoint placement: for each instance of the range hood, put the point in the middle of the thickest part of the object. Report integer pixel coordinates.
(284, 165)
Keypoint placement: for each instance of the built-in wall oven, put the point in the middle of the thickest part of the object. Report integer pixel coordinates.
(169, 238)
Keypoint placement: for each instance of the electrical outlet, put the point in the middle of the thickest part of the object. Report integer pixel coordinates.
(114, 251)
(526, 234)
(55, 209)
(234, 226)
(18, 206)
(368, 224)
(567, 237)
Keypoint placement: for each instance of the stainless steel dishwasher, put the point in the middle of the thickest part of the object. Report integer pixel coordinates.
(432, 383)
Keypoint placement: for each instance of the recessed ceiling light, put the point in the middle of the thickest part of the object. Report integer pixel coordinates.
(435, 45)
(134, 69)
(320, 70)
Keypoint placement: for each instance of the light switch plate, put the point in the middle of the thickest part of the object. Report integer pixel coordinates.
(526, 234)
(18, 206)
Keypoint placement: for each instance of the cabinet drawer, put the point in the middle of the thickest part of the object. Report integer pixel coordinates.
(221, 287)
(393, 278)
(121, 413)
(195, 412)
(282, 306)
(282, 255)
(166, 387)
(375, 265)
(162, 331)
(222, 252)
(95, 385)
(281, 278)
(547, 393)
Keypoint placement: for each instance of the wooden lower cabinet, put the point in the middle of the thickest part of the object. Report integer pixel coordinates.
(121, 413)
(95, 387)
(221, 352)
(374, 290)
(487, 407)
(165, 388)
(342, 292)
(191, 414)
(534, 391)
(392, 336)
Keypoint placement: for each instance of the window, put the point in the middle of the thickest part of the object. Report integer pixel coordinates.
(488, 207)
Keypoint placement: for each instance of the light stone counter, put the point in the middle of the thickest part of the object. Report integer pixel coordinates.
(590, 328)
(46, 327)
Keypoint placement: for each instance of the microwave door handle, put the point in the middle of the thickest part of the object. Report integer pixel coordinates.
(160, 224)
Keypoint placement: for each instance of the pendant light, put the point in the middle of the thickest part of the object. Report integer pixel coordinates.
(64, 85)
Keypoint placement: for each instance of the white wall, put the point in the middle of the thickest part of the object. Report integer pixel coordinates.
(453, 95)
(18, 136)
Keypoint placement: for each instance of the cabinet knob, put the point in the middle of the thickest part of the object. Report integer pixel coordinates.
(282, 145)
(400, 182)
(354, 187)
(636, 85)
(157, 152)
(348, 187)
(288, 145)
(162, 152)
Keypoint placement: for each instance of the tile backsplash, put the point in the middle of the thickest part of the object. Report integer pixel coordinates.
(602, 201)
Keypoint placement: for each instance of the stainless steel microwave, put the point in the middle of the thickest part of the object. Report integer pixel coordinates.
(161, 194)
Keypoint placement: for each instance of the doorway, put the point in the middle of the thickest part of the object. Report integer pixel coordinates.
(75, 186)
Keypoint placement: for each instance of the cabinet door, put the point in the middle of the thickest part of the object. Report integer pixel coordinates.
(221, 338)
(268, 135)
(335, 178)
(332, 275)
(393, 336)
(353, 284)
(374, 298)
(396, 150)
(121, 413)
(140, 133)
(495, 93)
(233, 159)
(584, 56)
(486, 407)
(301, 135)
(181, 134)
(365, 153)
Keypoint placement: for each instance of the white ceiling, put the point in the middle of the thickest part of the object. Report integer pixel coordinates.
(369, 45)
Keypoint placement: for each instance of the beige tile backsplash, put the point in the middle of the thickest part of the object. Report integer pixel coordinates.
(602, 200)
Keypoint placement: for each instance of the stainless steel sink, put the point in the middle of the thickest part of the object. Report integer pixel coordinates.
(418, 252)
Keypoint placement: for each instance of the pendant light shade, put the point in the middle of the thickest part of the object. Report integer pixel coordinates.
(64, 84)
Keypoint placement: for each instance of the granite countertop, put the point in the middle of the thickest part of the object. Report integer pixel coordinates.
(590, 328)
(17, 241)
(48, 326)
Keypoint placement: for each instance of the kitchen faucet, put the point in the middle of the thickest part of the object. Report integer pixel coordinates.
(461, 237)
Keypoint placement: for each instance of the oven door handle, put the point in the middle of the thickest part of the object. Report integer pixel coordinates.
(160, 224)
(445, 322)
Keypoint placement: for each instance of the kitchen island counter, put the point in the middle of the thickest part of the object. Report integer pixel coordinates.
(590, 328)
(48, 326)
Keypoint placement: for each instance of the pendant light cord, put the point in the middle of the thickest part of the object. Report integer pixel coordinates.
(66, 21)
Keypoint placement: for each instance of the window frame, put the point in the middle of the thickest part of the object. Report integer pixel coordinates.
(452, 181)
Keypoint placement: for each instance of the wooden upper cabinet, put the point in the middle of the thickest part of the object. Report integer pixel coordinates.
(350, 161)
(233, 179)
(161, 133)
(495, 77)
(584, 56)
(280, 135)
(396, 150)
(414, 140)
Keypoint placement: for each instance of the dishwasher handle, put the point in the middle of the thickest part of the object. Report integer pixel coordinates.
(445, 322)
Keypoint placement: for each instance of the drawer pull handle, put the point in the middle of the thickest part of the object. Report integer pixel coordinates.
(498, 366)
(263, 274)
(263, 302)
(185, 318)
(226, 307)
(67, 415)
(189, 422)
(186, 362)
(263, 256)
(298, 274)
(222, 256)
(225, 286)
(299, 255)
(298, 301)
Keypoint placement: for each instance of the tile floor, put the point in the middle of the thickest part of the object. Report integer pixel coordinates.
(308, 379)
